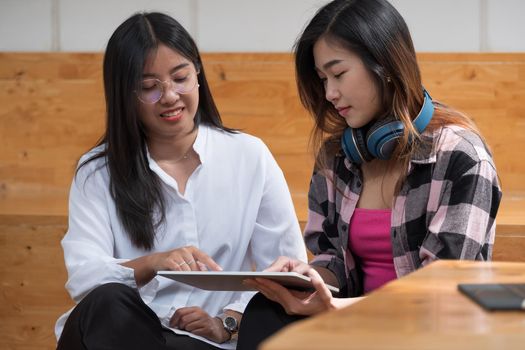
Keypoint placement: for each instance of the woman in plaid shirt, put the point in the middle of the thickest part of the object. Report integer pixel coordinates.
(399, 180)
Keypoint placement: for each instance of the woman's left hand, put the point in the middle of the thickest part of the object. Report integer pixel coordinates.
(197, 321)
(298, 302)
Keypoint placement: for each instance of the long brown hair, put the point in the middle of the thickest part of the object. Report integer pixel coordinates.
(376, 32)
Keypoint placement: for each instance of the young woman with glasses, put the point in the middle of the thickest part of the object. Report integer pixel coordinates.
(168, 187)
(400, 180)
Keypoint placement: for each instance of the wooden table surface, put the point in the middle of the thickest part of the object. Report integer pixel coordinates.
(423, 310)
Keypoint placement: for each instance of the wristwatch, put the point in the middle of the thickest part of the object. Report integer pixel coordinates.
(229, 323)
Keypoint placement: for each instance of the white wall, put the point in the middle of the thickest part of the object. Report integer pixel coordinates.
(254, 25)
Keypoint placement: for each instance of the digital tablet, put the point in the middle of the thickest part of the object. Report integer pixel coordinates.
(233, 281)
(496, 296)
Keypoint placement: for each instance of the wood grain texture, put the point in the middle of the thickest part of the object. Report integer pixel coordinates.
(32, 275)
(52, 110)
(423, 310)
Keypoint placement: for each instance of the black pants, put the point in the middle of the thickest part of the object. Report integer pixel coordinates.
(113, 316)
(261, 319)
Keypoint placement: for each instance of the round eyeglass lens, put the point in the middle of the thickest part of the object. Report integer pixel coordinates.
(152, 90)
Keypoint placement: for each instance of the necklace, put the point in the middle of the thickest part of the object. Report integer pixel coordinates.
(185, 156)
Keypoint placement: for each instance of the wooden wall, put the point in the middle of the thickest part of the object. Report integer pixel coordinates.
(52, 110)
(32, 275)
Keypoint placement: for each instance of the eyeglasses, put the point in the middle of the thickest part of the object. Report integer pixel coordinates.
(152, 90)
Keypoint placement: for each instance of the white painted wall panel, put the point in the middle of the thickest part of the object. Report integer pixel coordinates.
(87, 25)
(25, 25)
(252, 25)
(442, 26)
(505, 25)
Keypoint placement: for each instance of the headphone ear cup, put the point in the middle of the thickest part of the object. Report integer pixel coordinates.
(354, 145)
(381, 138)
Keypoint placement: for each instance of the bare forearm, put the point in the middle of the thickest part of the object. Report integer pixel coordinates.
(187, 258)
(143, 270)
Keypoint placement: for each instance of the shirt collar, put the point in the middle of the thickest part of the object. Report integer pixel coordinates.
(199, 146)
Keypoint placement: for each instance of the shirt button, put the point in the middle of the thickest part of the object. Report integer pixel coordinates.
(358, 184)
(344, 227)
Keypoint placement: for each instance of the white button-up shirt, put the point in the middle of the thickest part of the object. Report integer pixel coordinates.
(236, 208)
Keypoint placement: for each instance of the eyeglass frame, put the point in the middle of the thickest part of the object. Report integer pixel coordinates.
(171, 82)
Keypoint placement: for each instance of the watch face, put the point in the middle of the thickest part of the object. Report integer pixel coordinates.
(230, 323)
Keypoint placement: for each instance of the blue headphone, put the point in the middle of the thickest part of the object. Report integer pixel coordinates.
(379, 139)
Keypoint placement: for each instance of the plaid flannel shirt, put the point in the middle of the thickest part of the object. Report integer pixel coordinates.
(445, 209)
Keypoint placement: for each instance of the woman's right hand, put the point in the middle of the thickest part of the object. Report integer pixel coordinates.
(187, 258)
(295, 302)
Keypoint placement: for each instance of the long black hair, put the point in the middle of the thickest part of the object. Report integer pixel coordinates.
(136, 190)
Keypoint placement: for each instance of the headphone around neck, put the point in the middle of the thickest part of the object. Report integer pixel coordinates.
(379, 138)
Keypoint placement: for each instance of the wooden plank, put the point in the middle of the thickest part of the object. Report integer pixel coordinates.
(33, 275)
(53, 111)
(510, 247)
(488, 88)
(423, 310)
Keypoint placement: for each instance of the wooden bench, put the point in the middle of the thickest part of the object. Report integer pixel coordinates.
(33, 275)
(53, 111)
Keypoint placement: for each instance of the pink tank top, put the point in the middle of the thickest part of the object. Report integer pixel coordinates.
(369, 241)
